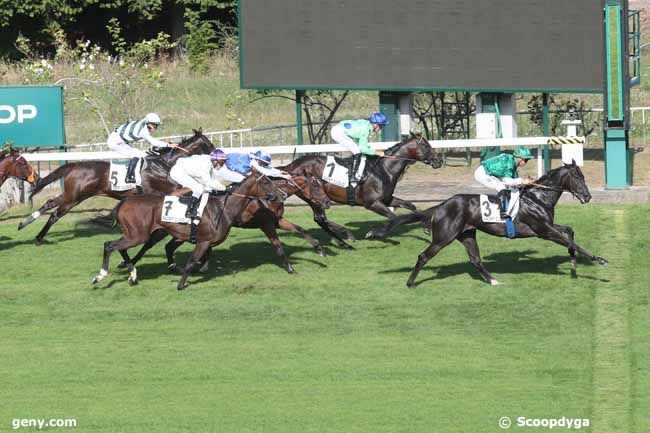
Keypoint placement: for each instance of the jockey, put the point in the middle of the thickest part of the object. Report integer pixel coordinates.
(500, 172)
(200, 173)
(120, 139)
(244, 163)
(354, 134)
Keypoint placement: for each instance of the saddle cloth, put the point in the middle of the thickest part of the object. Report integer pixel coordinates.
(490, 212)
(336, 170)
(117, 176)
(173, 211)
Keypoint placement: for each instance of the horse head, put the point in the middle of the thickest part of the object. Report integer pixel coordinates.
(417, 148)
(258, 185)
(198, 144)
(13, 164)
(569, 178)
(312, 190)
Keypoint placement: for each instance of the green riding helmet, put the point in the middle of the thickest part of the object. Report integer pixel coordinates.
(523, 152)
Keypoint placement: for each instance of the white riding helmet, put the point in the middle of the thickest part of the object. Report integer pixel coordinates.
(153, 118)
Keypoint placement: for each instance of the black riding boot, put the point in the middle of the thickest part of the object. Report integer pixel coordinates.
(130, 171)
(504, 198)
(192, 208)
(356, 160)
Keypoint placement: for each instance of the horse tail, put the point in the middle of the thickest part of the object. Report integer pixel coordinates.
(421, 217)
(56, 174)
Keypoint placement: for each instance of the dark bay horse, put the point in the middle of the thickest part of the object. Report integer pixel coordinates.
(460, 216)
(259, 214)
(375, 193)
(86, 179)
(13, 164)
(139, 218)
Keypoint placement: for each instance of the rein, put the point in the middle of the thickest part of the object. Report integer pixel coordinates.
(539, 185)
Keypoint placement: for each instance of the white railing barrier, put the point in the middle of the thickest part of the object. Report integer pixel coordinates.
(537, 142)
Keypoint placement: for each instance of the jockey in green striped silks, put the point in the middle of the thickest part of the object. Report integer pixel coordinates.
(121, 138)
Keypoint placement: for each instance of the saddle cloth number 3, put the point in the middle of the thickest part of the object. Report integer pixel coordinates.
(490, 212)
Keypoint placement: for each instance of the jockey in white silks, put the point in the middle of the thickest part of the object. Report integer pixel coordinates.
(202, 173)
(121, 138)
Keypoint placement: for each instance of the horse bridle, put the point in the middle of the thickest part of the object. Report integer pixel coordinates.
(30, 176)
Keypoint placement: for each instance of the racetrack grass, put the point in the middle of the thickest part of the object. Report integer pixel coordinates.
(341, 346)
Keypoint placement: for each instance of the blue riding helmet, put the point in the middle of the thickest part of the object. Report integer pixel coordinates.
(378, 118)
(263, 156)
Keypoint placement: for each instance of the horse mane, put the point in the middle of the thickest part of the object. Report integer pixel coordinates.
(394, 148)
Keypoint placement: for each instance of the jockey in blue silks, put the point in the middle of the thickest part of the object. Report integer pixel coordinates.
(244, 163)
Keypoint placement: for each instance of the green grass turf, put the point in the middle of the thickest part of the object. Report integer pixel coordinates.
(341, 346)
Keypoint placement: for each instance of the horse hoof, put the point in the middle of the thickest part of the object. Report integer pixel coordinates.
(38, 242)
(121, 265)
(172, 267)
(132, 282)
(427, 231)
(290, 269)
(322, 253)
(494, 282)
(95, 280)
(21, 226)
(203, 269)
(602, 261)
(181, 287)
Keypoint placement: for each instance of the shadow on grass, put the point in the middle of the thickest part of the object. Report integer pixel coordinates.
(510, 263)
(239, 257)
(57, 236)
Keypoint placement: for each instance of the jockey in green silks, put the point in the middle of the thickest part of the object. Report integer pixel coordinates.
(354, 134)
(500, 172)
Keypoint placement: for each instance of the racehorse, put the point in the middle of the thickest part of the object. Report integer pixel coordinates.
(13, 164)
(259, 214)
(139, 217)
(460, 216)
(375, 191)
(86, 179)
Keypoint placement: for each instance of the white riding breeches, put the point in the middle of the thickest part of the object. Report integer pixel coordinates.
(491, 182)
(116, 144)
(187, 181)
(338, 134)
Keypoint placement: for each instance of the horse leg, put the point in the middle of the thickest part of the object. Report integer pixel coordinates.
(268, 227)
(133, 273)
(205, 261)
(287, 225)
(570, 234)
(199, 250)
(155, 237)
(398, 202)
(122, 244)
(50, 204)
(321, 219)
(440, 239)
(170, 249)
(381, 209)
(468, 239)
(63, 209)
(549, 232)
(423, 258)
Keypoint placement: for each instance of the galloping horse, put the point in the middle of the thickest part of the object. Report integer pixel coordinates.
(13, 164)
(375, 192)
(86, 179)
(259, 214)
(139, 217)
(460, 216)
